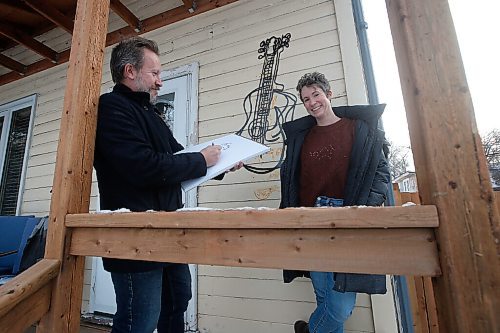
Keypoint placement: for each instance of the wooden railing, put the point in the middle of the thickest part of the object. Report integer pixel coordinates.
(451, 169)
(26, 298)
(392, 240)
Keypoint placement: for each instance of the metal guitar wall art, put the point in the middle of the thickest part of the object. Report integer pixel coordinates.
(268, 106)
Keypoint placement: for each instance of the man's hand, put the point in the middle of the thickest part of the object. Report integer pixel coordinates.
(211, 154)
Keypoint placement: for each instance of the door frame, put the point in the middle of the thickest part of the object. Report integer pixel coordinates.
(191, 197)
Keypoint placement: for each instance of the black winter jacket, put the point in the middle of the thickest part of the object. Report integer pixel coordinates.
(135, 162)
(366, 184)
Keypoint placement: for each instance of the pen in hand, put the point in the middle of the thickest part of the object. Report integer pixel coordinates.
(211, 154)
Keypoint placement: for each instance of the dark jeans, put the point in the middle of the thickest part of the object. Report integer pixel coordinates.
(153, 299)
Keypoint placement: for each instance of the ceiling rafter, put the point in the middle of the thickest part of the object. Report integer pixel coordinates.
(121, 10)
(13, 64)
(52, 14)
(16, 7)
(190, 5)
(29, 42)
(154, 22)
(168, 17)
(9, 43)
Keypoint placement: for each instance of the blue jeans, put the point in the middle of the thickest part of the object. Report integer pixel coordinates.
(153, 299)
(332, 307)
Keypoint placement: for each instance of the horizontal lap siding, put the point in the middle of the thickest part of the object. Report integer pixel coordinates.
(224, 42)
(225, 45)
(232, 69)
(256, 300)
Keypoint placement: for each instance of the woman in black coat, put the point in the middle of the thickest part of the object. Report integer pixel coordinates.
(335, 153)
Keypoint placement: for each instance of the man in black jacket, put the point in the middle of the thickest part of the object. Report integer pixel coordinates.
(334, 157)
(137, 169)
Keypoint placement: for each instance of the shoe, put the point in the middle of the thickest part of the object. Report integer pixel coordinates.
(300, 326)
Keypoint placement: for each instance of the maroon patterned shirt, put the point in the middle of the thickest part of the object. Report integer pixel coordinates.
(324, 161)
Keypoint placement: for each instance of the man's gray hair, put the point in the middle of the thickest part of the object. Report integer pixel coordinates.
(313, 79)
(129, 51)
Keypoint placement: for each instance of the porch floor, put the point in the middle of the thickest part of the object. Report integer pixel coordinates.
(84, 328)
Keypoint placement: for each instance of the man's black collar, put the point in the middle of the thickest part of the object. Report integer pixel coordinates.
(140, 96)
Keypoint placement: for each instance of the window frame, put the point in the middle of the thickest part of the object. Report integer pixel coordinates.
(6, 111)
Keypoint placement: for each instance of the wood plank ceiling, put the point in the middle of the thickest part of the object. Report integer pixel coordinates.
(23, 22)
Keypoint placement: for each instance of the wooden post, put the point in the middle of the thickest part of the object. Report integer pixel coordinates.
(75, 154)
(450, 164)
(422, 300)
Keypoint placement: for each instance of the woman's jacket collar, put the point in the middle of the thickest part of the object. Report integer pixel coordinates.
(368, 113)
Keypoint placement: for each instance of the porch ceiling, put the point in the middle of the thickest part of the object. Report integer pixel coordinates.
(25, 27)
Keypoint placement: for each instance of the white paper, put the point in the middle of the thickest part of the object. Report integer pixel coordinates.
(234, 149)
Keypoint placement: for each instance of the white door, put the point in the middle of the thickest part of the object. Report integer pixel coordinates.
(102, 293)
(178, 100)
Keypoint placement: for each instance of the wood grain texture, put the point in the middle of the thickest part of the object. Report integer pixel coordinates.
(75, 154)
(450, 164)
(27, 312)
(380, 251)
(26, 284)
(290, 218)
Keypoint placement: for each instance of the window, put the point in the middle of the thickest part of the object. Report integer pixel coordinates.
(16, 120)
(165, 105)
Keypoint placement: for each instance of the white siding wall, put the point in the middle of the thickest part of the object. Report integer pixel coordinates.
(256, 300)
(225, 43)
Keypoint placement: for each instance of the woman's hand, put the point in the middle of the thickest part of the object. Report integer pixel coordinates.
(237, 166)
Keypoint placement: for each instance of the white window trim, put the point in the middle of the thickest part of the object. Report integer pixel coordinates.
(192, 72)
(351, 56)
(7, 109)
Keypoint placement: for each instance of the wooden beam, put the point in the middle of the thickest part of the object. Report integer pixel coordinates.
(152, 23)
(190, 5)
(27, 312)
(34, 68)
(16, 9)
(26, 284)
(75, 152)
(290, 218)
(13, 65)
(26, 298)
(380, 251)
(401, 237)
(29, 42)
(168, 17)
(423, 304)
(133, 21)
(450, 164)
(52, 14)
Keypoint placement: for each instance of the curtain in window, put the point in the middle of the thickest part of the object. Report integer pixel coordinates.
(14, 157)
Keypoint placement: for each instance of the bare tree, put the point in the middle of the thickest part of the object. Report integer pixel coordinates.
(398, 159)
(491, 145)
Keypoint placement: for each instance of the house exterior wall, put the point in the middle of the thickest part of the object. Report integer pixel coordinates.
(224, 42)
(407, 182)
